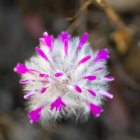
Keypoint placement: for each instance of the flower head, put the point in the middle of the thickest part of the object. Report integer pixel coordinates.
(65, 77)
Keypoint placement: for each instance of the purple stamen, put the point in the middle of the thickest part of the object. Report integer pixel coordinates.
(84, 59)
(29, 94)
(105, 93)
(66, 47)
(95, 109)
(78, 89)
(82, 41)
(93, 93)
(41, 53)
(59, 74)
(35, 115)
(90, 77)
(102, 56)
(58, 103)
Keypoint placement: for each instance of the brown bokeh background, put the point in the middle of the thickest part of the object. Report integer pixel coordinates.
(112, 24)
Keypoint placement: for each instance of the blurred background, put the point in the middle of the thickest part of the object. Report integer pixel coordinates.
(111, 24)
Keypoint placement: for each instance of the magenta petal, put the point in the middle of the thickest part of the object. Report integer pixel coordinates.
(77, 88)
(105, 93)
(64, 36)
(43, 90)
(29, 94)
(90, 77)
(52, 42)
(102, 56)
(58, 103)
(58, 74)
(66, 47)
(35, 114)
(48, 40)
(20, 68)
(42, 41)
(93, 93)
(99, 69)
(25, 81)
(84, 59)
(82, 41)
(41, 53)
(44, 75)
(95, 109)
(107, 78)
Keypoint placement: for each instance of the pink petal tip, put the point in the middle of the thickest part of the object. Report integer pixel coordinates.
(21, 69)
(98, 69)
(101, 56)
(84, 59)
(64, 36)
(90, 77)
(82, 41)
(41, 53)
(92, 92)
(66, 47)
(105, 93)
(58, 103)
(43, 90)
(77, 88)
(59, 74)
(43, 75)
(107, 78)
(95, 109)
(25, 81)
(29, 94)
(35, 115)
(48, 40)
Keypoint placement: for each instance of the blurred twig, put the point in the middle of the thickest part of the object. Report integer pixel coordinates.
(82, 8)
(78, 16)
(122, 36)
(108, 10)
(110, 13)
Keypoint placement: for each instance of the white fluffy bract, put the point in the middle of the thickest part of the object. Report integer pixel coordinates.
(76, 103)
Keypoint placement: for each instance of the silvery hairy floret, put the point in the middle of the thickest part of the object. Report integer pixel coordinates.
(64, 78)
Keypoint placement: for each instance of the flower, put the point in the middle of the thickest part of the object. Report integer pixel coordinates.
(65, 78)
